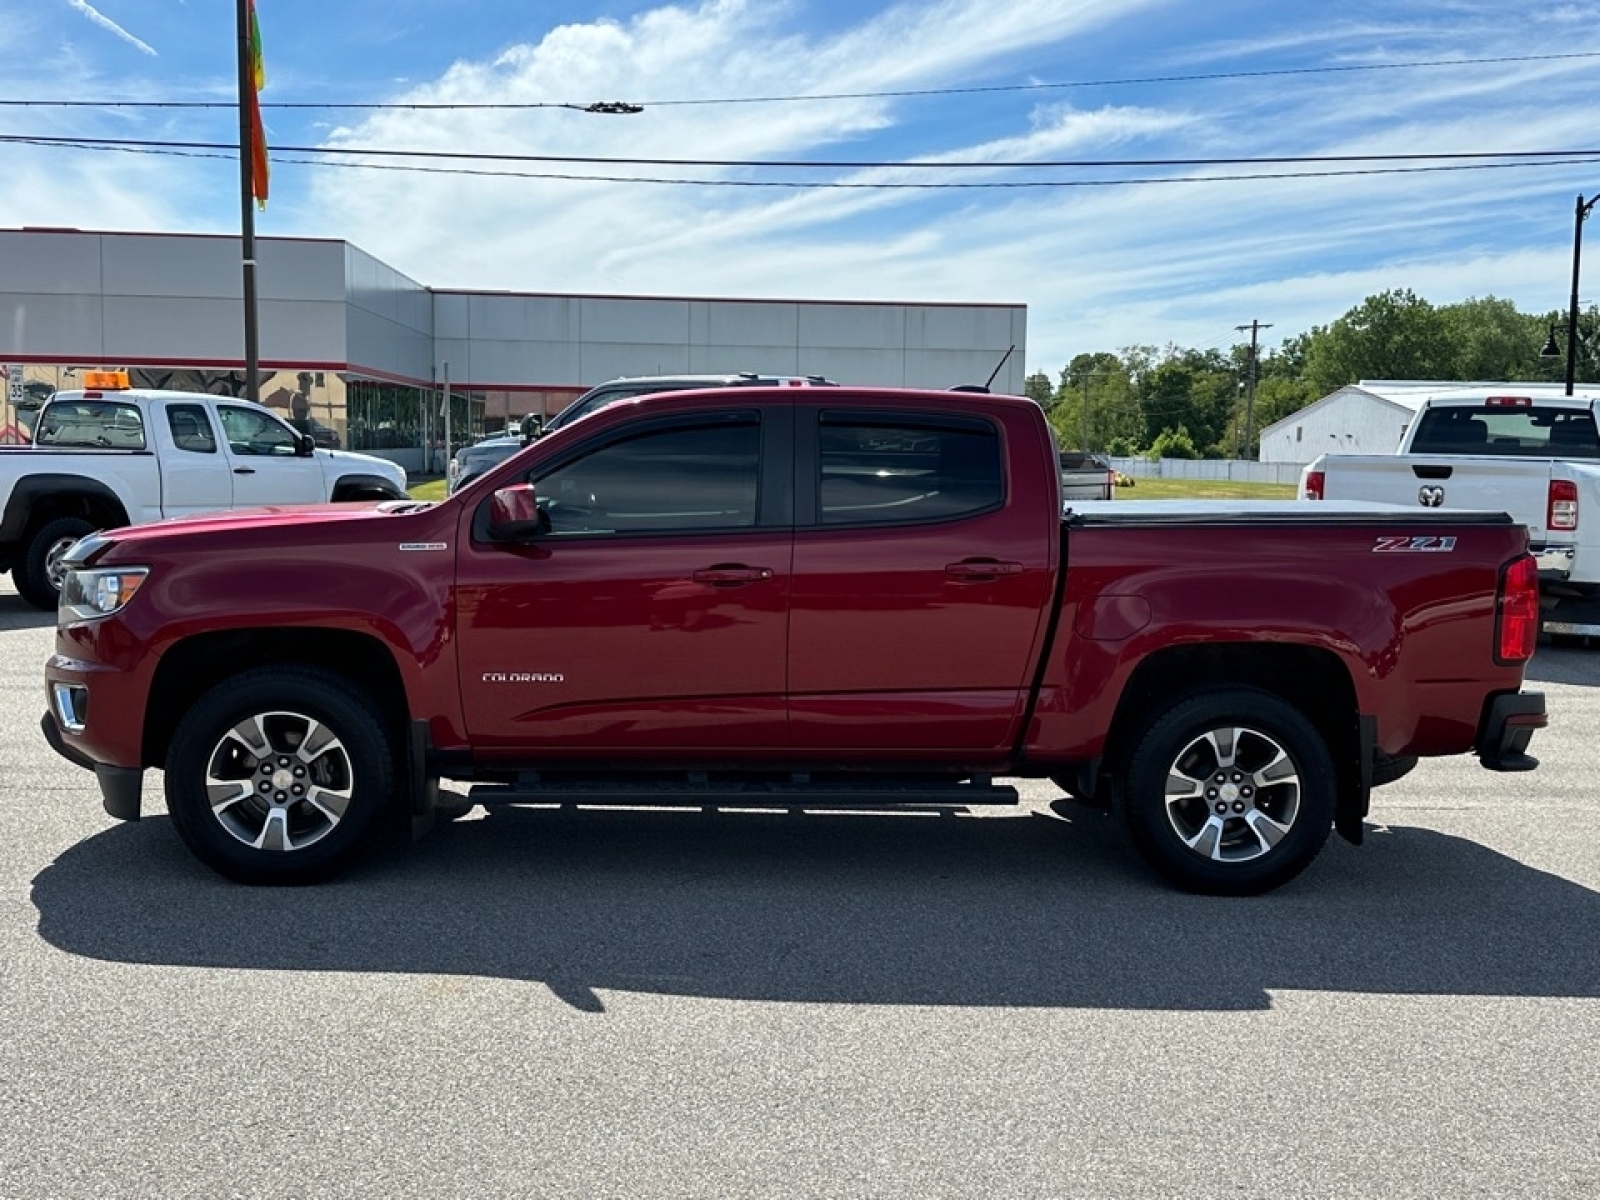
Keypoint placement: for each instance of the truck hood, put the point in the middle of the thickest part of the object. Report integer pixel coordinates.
(299, 521)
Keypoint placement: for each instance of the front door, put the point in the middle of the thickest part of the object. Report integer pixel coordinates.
(264, 455)
(650, 621)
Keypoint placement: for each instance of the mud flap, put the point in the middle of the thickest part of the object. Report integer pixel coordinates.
(422, 785)
(1350, 812)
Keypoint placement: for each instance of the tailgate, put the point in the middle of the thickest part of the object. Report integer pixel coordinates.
(1519, 487)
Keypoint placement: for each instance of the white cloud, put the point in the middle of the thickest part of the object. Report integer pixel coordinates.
(106, 22)
(1098, 266)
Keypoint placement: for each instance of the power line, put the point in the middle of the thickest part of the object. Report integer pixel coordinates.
(823, 184)
(625, 106)
(832, 164)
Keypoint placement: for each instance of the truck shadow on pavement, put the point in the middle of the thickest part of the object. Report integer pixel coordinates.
(1024, 910)
(1578, 665)
(17, 613)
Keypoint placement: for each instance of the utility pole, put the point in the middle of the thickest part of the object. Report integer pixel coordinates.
(1255, 328)
(1086, 411)
(247, 218)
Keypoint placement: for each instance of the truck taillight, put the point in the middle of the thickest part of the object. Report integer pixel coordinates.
(1314, 484)
(1517, 611)
(1563, 510)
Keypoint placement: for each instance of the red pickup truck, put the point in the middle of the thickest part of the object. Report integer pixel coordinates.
(797, 598)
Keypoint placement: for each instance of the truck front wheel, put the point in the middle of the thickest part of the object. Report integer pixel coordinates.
(1229, 792)
(40, 573)
(276, 776)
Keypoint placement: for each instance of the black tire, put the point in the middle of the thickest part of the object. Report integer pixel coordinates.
(308, 803)
(38, 575)
(1262, 801)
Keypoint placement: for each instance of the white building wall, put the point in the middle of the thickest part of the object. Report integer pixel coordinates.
(137, 299)
(1349, 421)
(131, 299)
(499, 340)
(389, 319)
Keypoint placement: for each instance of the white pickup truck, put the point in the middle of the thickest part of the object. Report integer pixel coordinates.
(1511, 448)
(111, 456)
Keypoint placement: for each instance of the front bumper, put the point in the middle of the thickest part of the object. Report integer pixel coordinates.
(1509, 720)
(121, 788)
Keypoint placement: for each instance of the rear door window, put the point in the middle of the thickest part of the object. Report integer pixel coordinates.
(884, 469)
(191, 428)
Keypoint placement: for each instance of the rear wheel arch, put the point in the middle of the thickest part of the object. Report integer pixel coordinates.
(1229, 790)
(1313, 680)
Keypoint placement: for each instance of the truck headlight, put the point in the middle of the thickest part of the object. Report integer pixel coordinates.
(88, 594)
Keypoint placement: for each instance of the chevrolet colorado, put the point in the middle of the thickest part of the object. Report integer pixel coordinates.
(792, 597)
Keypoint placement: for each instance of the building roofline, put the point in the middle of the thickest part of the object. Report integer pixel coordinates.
(520, 295)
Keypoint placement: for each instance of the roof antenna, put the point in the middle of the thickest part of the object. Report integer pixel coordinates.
(997, 367)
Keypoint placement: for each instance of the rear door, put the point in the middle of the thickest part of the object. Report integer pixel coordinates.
(650, 623)
(923, 574)
(196, 475)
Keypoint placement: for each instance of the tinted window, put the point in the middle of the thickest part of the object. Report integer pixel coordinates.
(880, 471)
(252, 432)
(91, 423)
(674, 479)
(1530, 432)
(191, 428)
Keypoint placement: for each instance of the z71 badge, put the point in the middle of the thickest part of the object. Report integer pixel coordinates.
(1414, 545)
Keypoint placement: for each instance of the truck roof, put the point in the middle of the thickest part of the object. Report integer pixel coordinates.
(1544, 395)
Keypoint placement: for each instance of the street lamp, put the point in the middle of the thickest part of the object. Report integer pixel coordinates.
(1550, 348)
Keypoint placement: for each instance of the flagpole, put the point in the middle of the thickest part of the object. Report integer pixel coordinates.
(247, 216)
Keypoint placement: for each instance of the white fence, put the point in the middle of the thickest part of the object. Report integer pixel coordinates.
(1234, 470)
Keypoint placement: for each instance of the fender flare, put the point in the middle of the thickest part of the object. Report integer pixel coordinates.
(31, 489)
(365, 483)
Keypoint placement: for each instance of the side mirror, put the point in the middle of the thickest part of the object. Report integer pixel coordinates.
(532, 427)
(514, 514)
(305, 446)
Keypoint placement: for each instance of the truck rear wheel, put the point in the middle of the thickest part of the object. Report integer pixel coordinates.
(1230, 792)
(39, 575)
(276, 776)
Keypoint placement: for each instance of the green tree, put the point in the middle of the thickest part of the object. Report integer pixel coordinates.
(1195, 389)
(1037, 387)
(1393, 335)
(1093, 400)
(1173, 443)
(1489, 339)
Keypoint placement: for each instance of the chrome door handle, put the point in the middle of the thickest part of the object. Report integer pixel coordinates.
(727, 576)
(976, 570)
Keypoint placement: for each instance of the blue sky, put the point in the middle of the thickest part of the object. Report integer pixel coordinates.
(1129, 254)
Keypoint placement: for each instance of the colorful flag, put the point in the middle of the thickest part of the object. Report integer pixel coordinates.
(258, 137)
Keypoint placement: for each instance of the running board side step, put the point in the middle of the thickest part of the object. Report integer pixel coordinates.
(697, 791)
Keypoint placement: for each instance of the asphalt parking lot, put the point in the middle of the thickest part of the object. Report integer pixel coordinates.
(655, 1004)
